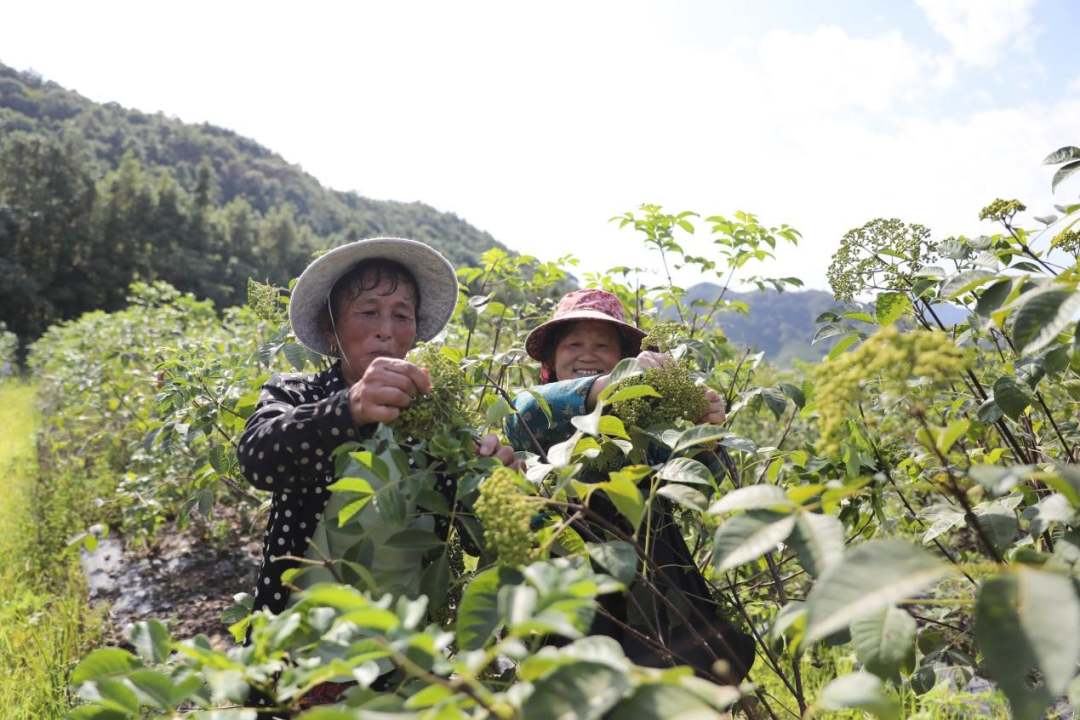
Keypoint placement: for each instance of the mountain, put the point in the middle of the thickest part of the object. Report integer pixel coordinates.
(93, 195)
(780, 324)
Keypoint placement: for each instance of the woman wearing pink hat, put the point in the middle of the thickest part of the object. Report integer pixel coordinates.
(577, 350)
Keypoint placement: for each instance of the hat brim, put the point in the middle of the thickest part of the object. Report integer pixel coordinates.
(537, 341)
(434, 275)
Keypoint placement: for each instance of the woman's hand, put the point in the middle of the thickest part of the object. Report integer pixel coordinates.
(489, 446)
(646, 358)
(387, 387)
(715, 415)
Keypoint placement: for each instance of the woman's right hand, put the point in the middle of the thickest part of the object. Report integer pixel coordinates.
(388, 386)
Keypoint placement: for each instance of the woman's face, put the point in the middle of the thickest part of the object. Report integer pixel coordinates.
(375, 323)
(590, 347)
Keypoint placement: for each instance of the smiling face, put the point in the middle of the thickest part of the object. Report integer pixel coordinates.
(589, 347)
(375, 322)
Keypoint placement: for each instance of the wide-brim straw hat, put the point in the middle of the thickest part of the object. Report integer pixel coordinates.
(434, 275)
(582, 305)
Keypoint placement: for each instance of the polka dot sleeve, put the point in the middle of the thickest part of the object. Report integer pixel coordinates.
(288, 440)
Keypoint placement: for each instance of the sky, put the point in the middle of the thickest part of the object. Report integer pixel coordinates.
(538, 122)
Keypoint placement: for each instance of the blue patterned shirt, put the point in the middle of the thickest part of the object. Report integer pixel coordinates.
(566, 399)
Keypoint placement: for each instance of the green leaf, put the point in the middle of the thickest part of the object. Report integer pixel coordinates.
(499, 409)
(1026, 620)
(965, 282)
(891, 306)
(666, 702)
(948, 436)
(1012, 397)
(158, 690)
(414, 539)
(623, 491)
(685, 496)
(478, 614)
(818, 540)
(115, 695)
(749, 536)
(577, 691)
(859, 691)
(844, 343)
(1043, 315)
(618, 558)
(613, 427)
(873, 575)
(151, 640)
(1064, 154)
(103, 663)
(751, 497)
(885, 642)
(1063, 173)
(992, 297)
(613, 394)
(685, 470)
(697, 435)
(545, 407)
(989, 412)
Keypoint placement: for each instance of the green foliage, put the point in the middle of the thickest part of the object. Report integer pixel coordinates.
(896, 525)
(9, 344)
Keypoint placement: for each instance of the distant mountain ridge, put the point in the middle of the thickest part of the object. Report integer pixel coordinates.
(782, 324)
(94, 196)
(242, 167)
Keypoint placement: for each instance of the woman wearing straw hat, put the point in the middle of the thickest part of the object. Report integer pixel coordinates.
(577, 350)
(365, 303)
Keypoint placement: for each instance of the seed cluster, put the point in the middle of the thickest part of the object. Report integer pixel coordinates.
(887, 360)
(506, 511)
(446, 407)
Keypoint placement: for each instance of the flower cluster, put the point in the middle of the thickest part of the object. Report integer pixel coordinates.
(664, 337)
(860, 264)
(681, 398)
(446, 407)
(1069, 241)
(506, 512)
(1001, 210)
(266, 302)
(889, 360)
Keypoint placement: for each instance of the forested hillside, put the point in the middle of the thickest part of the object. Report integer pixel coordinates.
(94, 195)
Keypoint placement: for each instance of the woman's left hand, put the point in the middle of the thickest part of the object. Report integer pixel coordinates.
(715, 415)
(489, 446)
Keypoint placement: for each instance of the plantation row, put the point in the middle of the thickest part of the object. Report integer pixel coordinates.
(891, 526)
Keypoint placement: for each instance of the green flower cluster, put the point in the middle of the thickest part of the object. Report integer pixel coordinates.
(882, 254)
(446, 407)
(265, 300)
(888, 359)
(506, 511)
(1001, 210)
(1069, 241)
(681, 398)
(664, 337)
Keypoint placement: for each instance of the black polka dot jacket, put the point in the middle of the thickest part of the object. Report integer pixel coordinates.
(285, 449)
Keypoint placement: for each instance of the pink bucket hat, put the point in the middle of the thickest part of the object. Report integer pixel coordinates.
(583, 305)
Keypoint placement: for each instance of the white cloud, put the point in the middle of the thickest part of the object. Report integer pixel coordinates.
(978, 30)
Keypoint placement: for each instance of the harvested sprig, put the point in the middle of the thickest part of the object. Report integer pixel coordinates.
(682, 398)
(446, 407)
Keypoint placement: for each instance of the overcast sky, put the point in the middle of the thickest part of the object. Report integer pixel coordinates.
(539, 121)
